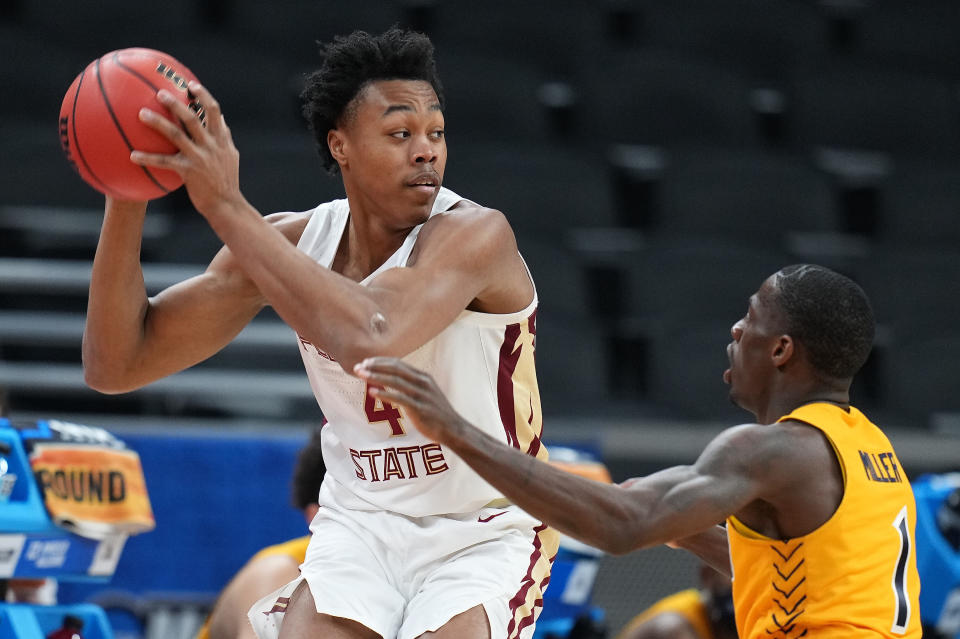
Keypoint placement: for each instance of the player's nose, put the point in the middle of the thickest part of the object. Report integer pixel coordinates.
(424, 152)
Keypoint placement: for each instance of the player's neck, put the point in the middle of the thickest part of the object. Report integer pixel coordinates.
(365, 246)
(784, 401)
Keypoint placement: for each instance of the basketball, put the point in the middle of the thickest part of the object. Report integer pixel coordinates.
(100, 125)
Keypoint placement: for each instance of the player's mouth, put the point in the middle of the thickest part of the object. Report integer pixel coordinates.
(427, 181)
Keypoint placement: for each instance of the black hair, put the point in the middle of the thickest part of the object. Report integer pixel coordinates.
(351, 62)
(308, 473)
(829, 314)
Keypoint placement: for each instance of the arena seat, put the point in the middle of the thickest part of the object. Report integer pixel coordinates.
(856, 106)
(282, 170)
(573, 364)
(912, 289)
(541, 188)
(558, 275)
(662, 98)
(253, 86)
(35, 79)
(292, 28)
(918, 36)
(492, 96)
(33, 168)
(922, 375)
(552, 36)
(764, 39)
(751, 195)
(686, 366)
(687, 278)
(92, 29)
(920, 203)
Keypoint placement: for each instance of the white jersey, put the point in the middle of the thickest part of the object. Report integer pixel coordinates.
(483, 363)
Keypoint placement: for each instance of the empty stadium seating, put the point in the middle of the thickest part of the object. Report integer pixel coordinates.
(657, 160)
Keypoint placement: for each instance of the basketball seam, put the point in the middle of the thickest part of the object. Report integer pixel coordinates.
(73, 129)
(146, 81)
(116, 122)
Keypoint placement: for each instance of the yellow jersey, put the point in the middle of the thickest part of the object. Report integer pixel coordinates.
(854, 576)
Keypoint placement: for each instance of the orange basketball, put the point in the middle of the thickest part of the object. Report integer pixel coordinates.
(100, 124)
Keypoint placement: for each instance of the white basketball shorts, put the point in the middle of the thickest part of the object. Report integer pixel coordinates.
(403, 576)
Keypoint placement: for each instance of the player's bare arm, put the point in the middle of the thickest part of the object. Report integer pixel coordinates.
(131, 339)
(710, 545)
(465, 260)
(745, 470)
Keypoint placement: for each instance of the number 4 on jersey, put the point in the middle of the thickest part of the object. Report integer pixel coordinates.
(380, 411)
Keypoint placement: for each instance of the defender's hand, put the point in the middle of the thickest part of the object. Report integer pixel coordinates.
(393, 380)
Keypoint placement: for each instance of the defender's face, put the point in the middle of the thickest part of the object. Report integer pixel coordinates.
(393, 148)
(755, 336)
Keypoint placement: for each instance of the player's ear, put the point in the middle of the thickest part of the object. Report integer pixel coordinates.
(783, 350)
(337, 143)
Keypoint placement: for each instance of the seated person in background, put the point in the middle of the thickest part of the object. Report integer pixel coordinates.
(704, 613)
(273, 566)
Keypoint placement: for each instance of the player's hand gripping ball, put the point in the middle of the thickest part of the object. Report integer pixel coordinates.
(100, 125)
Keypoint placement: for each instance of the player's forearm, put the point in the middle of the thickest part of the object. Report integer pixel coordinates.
(117, 302)
(329, 310)
(601, 515)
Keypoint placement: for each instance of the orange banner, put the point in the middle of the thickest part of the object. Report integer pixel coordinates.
(93, 491)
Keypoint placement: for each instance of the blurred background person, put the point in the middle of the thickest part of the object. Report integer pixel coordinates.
(705, 612)
(275, 565)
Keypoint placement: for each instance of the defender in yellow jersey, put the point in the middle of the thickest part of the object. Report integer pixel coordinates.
(819, 512)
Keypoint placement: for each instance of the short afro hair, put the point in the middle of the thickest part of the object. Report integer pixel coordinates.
(308, 473)
(829, 314)
(349, 64)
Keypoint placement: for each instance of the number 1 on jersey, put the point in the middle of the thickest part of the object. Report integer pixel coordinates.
(901, 617)
(380, 411)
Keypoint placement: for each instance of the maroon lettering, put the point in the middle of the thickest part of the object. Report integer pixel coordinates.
(433, 459)
(356, 462)
(391, 465)
(398, 463)
(408, 452)
(310, 346)
(370, 456)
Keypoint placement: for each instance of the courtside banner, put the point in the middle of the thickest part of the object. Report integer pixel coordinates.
(92, 491)
(92, 484)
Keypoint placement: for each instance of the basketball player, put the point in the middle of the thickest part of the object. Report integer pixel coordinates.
(275, 565)
(819, 511)
(696, 613)
(408, 540)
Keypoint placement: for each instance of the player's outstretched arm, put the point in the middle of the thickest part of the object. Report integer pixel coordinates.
(131, 339)
(667, 505)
